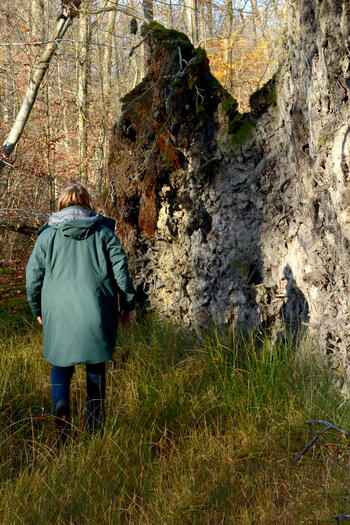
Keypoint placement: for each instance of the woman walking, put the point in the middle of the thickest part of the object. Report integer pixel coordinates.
(73, 277)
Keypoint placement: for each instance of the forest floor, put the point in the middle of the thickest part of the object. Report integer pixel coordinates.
(198, 431)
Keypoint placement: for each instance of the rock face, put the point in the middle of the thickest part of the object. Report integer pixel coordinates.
(242, 218)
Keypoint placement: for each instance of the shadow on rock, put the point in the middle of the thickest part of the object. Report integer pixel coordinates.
(295, 311)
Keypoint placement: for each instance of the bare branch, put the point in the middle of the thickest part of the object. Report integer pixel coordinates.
(137, 45)
(339, 517)
(120, 9)
(328, 426)
(73, 40)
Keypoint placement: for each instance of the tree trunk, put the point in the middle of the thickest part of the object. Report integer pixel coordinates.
(202, 26)
(210, 17)
(39, 71)
(191, 14)
(37, 20)
(148, 10)
(9, 105)
(107, 58)
(82, 96)
(169, 16)
(258, 23)
(228, 33)
(106, 104)
(9, 97)
(64, 108)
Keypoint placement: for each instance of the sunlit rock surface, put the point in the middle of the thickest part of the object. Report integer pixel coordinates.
(242, 219)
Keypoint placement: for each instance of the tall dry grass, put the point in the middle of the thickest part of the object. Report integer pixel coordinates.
(197, 432)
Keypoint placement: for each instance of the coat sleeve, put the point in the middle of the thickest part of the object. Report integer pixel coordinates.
(35, 272)
(120, 271)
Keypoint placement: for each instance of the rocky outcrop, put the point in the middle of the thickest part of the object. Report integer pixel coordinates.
(304, 184)
(242, 218)
(185, 197)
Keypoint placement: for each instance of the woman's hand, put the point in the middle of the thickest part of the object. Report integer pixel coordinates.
(39, 320)
(125, 317)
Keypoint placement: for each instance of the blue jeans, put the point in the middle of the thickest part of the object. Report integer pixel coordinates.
(95, 392)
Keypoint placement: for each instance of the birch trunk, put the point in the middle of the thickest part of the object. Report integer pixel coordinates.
(202, 26)
(39, 71)
(191, 14)
(37, 20)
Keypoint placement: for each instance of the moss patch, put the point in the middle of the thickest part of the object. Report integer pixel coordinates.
(230, 106)
(323, 139)
(265, 96)
(242, 270)
(103, 196)
(242, 129)
(170, 38)
(200, 58)
(132, 95)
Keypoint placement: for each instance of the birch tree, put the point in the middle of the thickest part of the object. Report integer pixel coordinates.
(191, 15)
(37, 19)
(64, 21)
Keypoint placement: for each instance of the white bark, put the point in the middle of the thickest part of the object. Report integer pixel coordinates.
(37, 19)
(107, 59)
(202, 25)
(191, 14)
(39, 71)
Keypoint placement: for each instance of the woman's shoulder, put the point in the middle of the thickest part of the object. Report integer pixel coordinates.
(44, 233)
(105, 230)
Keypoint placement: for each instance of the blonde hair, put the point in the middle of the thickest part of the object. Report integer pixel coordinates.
(75, 195)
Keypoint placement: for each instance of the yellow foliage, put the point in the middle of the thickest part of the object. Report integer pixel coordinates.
(242, 65)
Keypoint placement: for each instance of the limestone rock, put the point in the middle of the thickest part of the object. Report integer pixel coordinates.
(242, 218)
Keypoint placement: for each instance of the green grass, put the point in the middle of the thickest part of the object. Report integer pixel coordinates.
(197, 432)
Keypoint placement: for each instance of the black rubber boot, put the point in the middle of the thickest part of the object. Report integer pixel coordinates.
(62, 423)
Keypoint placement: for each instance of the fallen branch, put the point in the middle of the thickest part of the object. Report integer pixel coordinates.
(21, 221)
(328, 426)
(339, 517)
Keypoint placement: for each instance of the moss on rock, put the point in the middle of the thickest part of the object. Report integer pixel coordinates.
(241, 269)
(323, 139)
(170, 38)
(265, 96)
(230, 106)
(132, 95)
(242, 129)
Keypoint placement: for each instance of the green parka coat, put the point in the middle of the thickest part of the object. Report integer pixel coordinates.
(72, 280)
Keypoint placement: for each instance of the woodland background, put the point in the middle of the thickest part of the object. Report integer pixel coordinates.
(68, 131)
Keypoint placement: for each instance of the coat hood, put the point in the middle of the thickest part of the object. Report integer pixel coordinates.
(77, 222)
